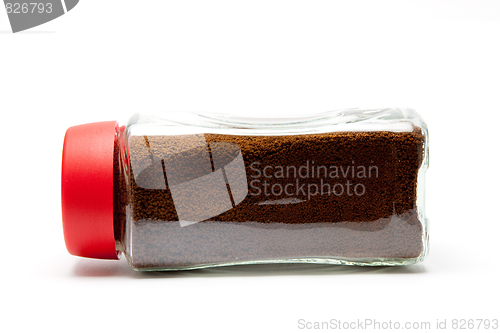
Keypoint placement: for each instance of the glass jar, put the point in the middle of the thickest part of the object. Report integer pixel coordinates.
(182, 191)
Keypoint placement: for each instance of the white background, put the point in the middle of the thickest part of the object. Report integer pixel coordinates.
(106, 60)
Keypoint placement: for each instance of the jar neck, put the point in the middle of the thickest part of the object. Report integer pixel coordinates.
(120, 188)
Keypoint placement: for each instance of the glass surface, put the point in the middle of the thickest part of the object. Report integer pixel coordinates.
(341, 187)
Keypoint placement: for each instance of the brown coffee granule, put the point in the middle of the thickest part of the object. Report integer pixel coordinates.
(382, 223)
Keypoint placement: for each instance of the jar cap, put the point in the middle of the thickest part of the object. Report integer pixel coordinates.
(87, 190)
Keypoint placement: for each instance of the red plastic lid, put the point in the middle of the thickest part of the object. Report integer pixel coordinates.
(87, 190)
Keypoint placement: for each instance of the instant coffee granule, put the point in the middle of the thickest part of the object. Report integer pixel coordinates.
(347, 195)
